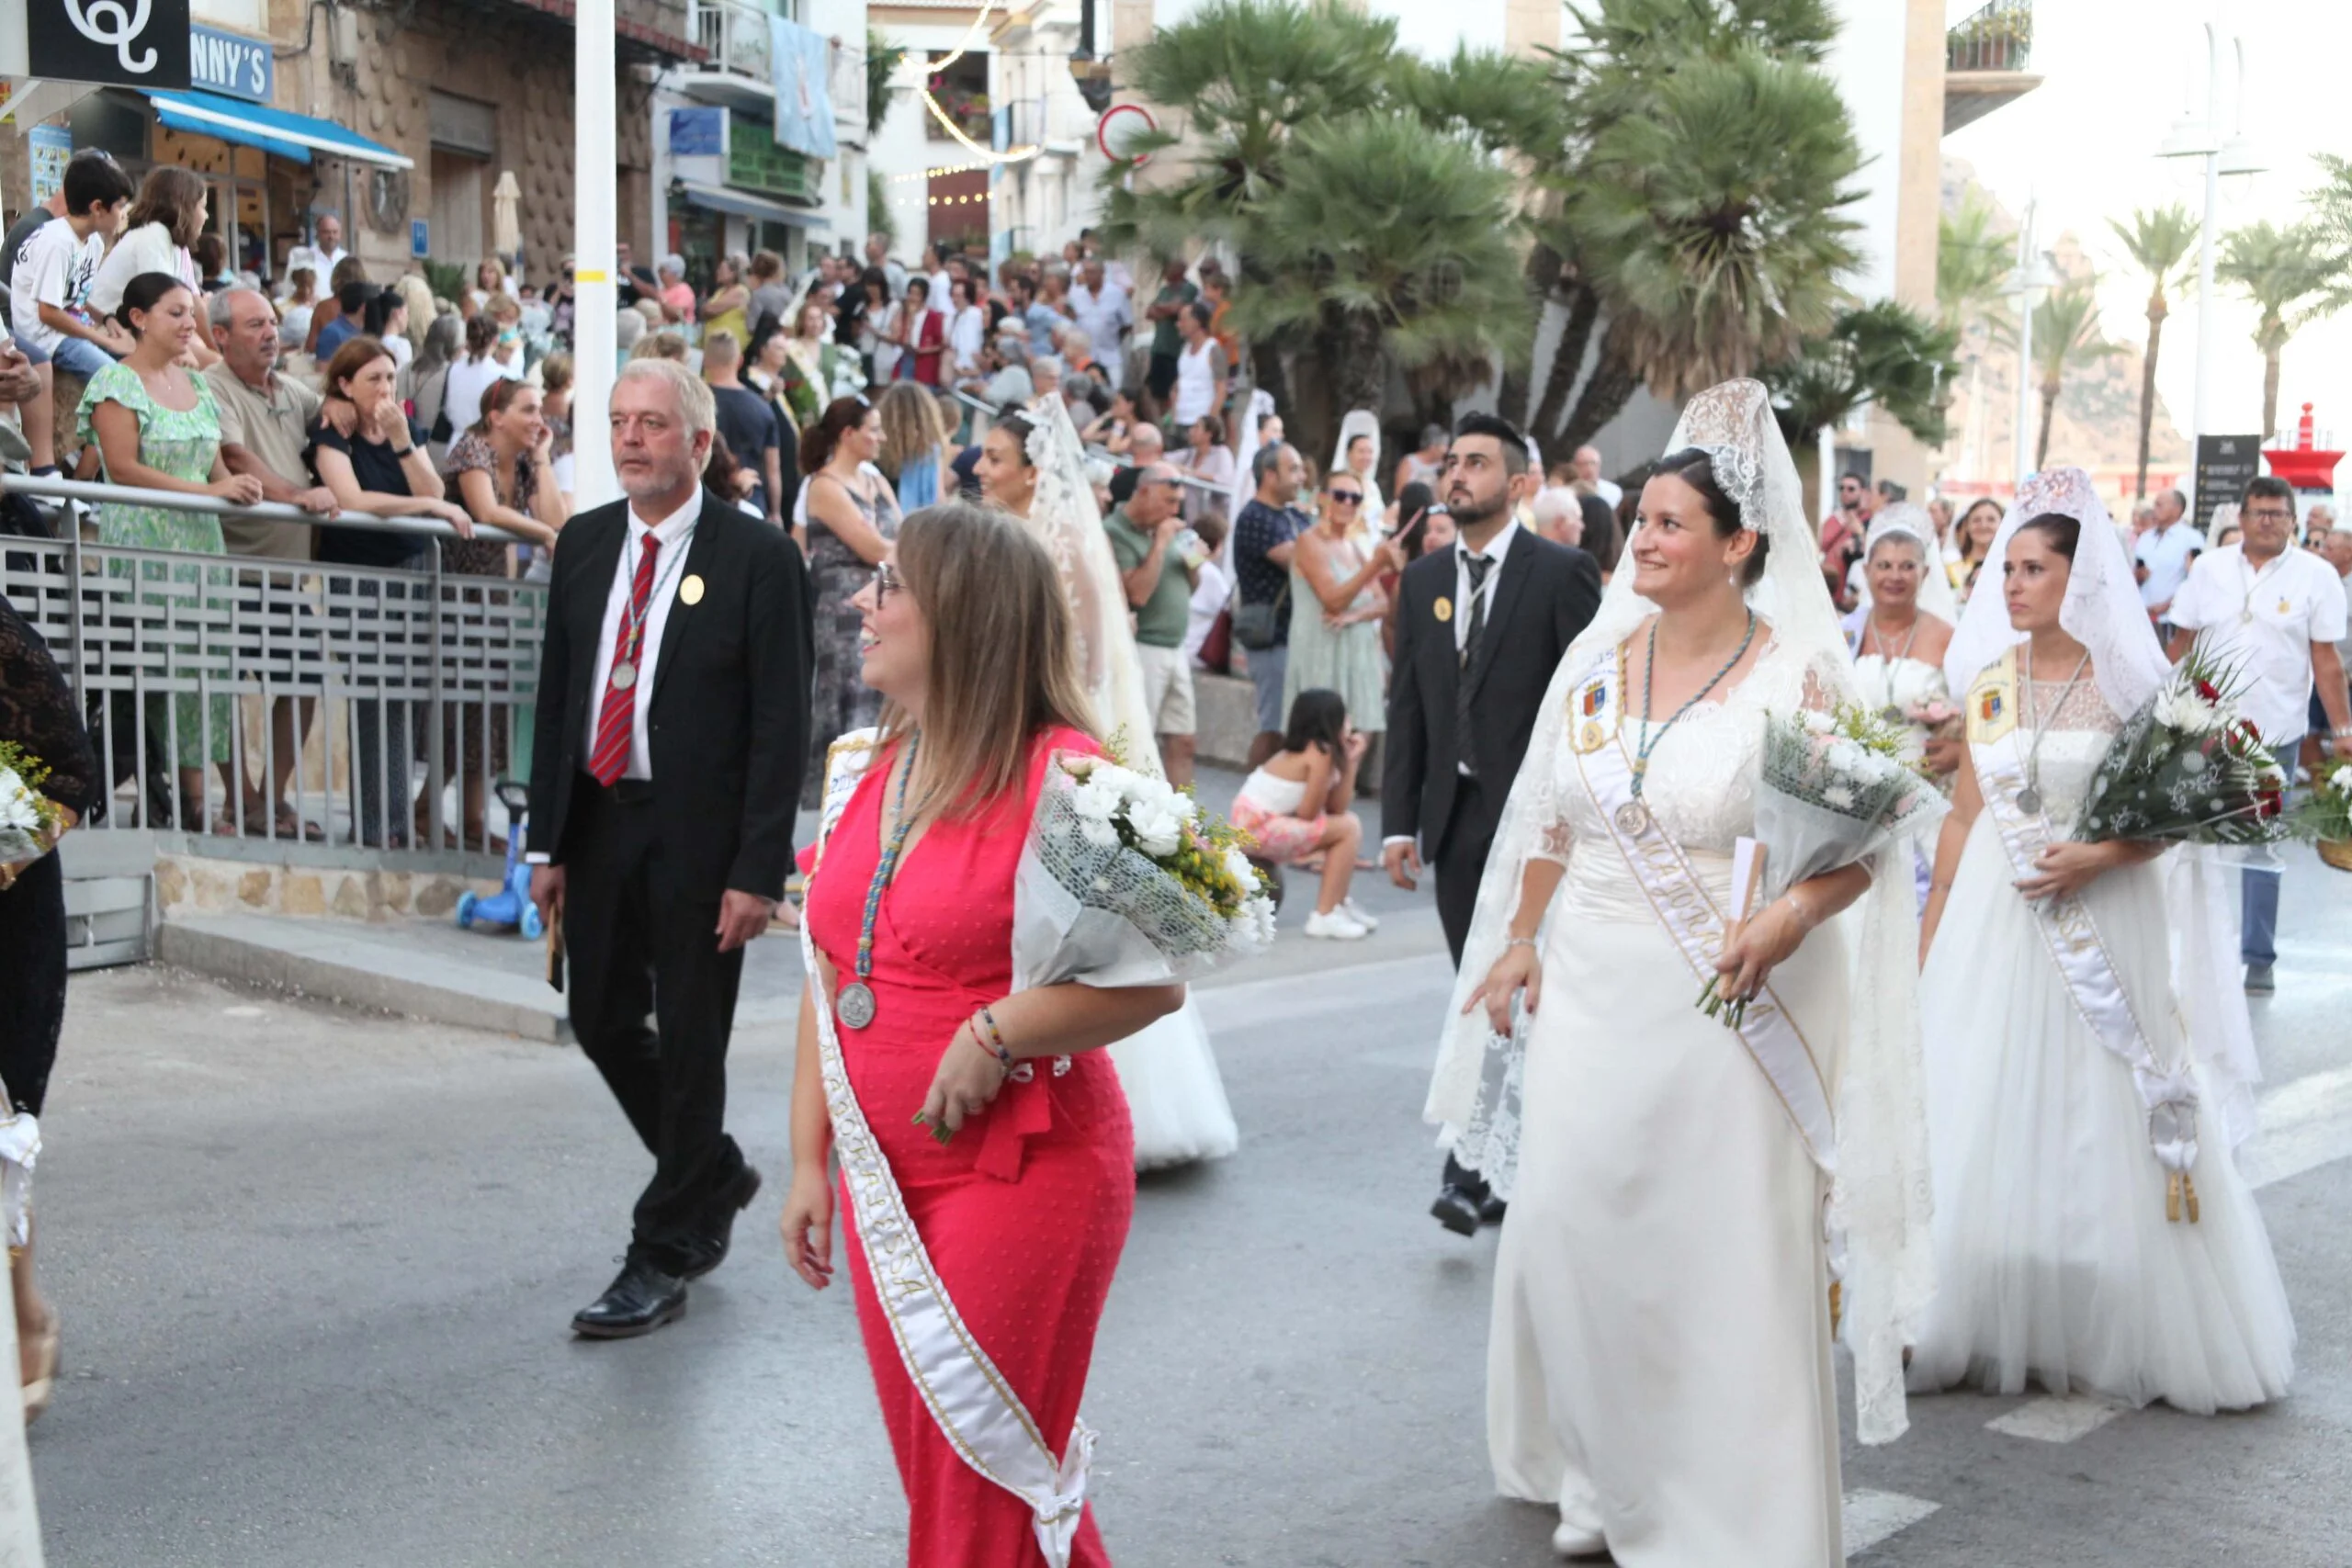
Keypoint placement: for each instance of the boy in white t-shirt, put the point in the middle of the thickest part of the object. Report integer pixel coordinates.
(52, 274)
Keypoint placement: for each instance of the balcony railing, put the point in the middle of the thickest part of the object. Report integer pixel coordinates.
(1997, 37)
(735, 36)
(180, 658)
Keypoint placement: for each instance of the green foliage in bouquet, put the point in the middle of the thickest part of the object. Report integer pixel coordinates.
(2187, 767)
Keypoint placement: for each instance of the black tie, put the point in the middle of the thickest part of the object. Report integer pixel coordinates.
(1478, 565)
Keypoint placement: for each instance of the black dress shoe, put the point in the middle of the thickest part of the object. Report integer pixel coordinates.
(711, 1251)
(1455, 1210)
(1491, 1210)
(640, 1300)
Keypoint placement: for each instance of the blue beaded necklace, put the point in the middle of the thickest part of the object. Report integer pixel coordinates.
(1634, 817)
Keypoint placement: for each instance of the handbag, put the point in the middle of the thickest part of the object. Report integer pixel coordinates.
(1256, 626)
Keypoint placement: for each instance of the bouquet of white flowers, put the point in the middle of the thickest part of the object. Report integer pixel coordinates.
(1125, 881)
(28, 821)
(2328, 816)
(2187, 767)
(1835, 789)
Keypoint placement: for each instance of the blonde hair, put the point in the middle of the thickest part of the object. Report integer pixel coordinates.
(1003, 656)
(696, 407)
(911, 426)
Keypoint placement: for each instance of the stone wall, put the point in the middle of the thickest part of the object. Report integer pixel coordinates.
(192, 884)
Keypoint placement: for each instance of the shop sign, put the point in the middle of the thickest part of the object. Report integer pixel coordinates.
(127, 43)
(232, 65)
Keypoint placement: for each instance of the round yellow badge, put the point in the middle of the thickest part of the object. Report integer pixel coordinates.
(690, 591)
(1589, 739)
(1445, 610)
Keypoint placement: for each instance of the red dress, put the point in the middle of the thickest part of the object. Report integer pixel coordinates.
(1026, 1211)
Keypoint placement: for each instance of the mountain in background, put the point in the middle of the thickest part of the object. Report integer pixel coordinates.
(2097, 424)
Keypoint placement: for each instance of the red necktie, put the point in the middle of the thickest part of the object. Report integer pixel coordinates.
(609, 757)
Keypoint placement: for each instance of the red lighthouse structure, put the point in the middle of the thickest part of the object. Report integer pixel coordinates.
(2303, 465)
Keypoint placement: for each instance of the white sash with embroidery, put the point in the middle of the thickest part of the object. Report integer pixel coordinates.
(2072, 938)
(976, 1411)
(1688, 914)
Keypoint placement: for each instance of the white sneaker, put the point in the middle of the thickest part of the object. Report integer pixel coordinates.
(1335, 927)
(1575, 1540)
(1355, 913)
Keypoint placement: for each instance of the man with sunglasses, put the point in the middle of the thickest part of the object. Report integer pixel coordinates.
(1145, 531)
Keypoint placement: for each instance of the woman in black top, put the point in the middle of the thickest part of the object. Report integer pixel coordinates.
(37, 714)
(380, 468)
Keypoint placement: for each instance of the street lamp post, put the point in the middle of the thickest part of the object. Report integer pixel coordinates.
(596, 250)
(2035, 278)
(2192, 137)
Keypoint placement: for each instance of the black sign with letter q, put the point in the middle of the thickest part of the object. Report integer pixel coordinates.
(127, 43)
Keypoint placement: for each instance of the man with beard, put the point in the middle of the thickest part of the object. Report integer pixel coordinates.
(1480, 628)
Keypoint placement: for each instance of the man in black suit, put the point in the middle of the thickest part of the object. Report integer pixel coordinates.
(673, 719)
(1480, 628)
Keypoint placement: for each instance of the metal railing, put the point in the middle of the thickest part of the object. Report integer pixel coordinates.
(1997, 37)
(735, 36)
(207, 678)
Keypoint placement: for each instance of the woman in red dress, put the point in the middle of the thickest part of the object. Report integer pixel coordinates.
(986, 1157)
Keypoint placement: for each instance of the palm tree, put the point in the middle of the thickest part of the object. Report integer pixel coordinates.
(1437, 275)
(1885, 353)
(2066, 336)
(1972, 262)
(2293, 277)
(2159, 242)
(1713, 227)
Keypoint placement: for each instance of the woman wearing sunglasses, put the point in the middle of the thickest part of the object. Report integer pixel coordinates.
(1338, 649)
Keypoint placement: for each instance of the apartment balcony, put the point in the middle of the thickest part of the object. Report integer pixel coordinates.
(736, 70)
(1989, 57)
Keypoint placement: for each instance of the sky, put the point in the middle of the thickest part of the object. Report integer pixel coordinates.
(2116, 75)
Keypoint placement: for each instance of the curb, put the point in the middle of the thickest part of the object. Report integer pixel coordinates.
(319, 960)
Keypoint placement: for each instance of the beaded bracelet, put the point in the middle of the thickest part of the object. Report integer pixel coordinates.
(993, 1041)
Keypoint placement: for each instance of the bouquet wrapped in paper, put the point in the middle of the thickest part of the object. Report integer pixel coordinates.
(2187, 768)
(1837, 789)
(29, 821)
(1125, 881)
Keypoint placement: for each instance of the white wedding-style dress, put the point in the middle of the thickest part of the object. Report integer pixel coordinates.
(2055, 1262)
(1660, 1364)
(1175, 1095)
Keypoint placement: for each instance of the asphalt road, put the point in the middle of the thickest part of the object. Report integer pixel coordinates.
(316, 1270)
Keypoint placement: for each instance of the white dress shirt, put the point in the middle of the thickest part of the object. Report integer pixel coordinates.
(2295, 600)
(1498, 551)
(2166, 553)
(676, 533)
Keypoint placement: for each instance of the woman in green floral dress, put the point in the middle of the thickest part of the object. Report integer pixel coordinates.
(157, 428)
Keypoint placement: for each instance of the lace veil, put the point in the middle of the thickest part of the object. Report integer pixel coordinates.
(1880, 1196)
(1063, 517)
(2103, 611)
(1906, 520)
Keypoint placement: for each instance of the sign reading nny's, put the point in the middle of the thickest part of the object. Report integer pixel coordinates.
(128, 43)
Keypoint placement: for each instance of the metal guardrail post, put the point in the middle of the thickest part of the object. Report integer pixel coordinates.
(435, 762)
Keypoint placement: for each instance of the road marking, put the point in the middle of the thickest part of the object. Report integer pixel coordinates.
(2056, 1420)
(1873, 1516)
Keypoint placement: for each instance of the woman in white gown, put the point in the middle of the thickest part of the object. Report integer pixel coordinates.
(1902, 628)
(1032, 466)
(2093, 1231)
(1659, 1366)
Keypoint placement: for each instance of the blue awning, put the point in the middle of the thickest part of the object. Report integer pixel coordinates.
(743, 204)
(295, 136)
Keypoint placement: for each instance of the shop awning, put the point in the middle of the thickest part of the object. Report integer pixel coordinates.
(719, 198)
(295, 136)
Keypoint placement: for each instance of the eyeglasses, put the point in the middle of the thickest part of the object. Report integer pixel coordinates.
(887, 582)
(2266, 514)
(1346, 497)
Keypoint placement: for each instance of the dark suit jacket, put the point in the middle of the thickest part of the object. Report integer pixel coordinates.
(1547, 594)
(727, 728)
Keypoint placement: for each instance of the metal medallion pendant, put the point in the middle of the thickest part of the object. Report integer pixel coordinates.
(2029, 801)
(2245, 617)
(855, 1005)
(1892, 714)
(624, 676)
(1633, 818)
